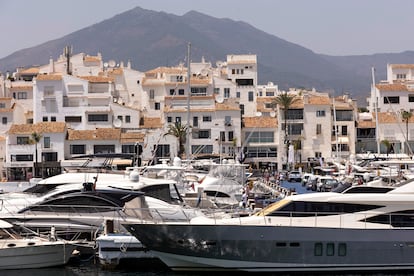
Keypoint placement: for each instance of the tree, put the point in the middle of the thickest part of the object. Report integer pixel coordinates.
(285, 101)
(406, 115)
(35, 139)
(387, 145)
(180, 132)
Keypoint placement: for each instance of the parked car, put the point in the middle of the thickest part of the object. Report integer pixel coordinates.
(326, 183)
(294, 176)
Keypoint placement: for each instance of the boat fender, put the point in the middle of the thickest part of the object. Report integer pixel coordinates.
(123, 248)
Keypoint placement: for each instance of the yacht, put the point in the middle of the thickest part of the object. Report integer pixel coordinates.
(306, 232)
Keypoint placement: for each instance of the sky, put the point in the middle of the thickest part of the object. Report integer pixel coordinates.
(332, 27)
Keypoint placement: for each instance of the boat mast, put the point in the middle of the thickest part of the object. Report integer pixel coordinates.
(187, 140)
(376, 111)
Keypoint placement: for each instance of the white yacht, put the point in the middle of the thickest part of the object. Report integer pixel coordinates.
(308, 232)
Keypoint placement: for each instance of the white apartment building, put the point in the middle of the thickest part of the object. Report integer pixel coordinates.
(21, 149)
(392, 97)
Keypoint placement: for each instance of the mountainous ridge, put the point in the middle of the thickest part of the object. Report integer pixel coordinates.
(151, 39)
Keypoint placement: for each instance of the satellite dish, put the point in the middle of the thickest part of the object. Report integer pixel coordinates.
(219, 63)
(204, 72)
(117, 123)
(106, 65)
(112, 63)
(258, 114)
(219, 99)
(272, 114)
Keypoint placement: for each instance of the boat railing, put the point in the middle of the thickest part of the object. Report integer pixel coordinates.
(359, 220)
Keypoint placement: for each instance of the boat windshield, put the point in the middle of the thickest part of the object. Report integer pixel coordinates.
(40, 189)
(273, 207)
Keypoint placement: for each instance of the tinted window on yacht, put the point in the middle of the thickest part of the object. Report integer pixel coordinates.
(398, 219)
(75, 204)
(304, 209)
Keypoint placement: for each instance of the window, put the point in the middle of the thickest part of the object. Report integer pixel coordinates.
(320, 113)
(401, 76)
(157, 106)
(21, 157)
(231, 135)
(233, 71)
(195, 121)
(222, 136)
(73, 119)
(22, 95)
(49, 156)
(44, 119)
(342, 249)
(172, 92)
(127, 119)
(202, 134)
(198, 91)
(4, 120)
(206, 118)
(23, 140)
(128, 149)
(46, 142)
(2, 105)
(330, 249)
(216, 90)
(77, 149)
(238, 94)
(53, 119)
(259, 137)
(169, 119)
(97, 117)
(318, 129)
(152, 94)
(251, 96)
(103, 149)
(226, 93)
(198, 149)
(344, 130)
(180, 91)
(411, 98)
(178, 119)
(318, 249)
(227, 120)
(392, 100)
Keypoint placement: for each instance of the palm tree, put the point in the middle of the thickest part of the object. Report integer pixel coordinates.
(387, 145)
(406, 115)
(35, 139)
(285, 101)
(180, 132)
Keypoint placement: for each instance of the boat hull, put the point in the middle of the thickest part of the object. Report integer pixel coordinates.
(185, 247)
(20, 254)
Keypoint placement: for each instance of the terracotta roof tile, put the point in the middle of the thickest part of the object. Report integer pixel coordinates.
(20, 87)
(30, 71)
(45, 77)
(319, 100)
(132, 137)
(387, 118)
(167, 70)
(151, 122)
(96, 134)
(392, 87)
(43, 127)
(260, 122)
(402, 66)
(97, 79)
(92, 58)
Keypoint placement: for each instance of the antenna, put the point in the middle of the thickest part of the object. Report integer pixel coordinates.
(117, 123)
(219, 99)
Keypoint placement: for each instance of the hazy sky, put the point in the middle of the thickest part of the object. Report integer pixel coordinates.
(334, 27)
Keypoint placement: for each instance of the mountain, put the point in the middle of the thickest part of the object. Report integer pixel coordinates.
(150, 39)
